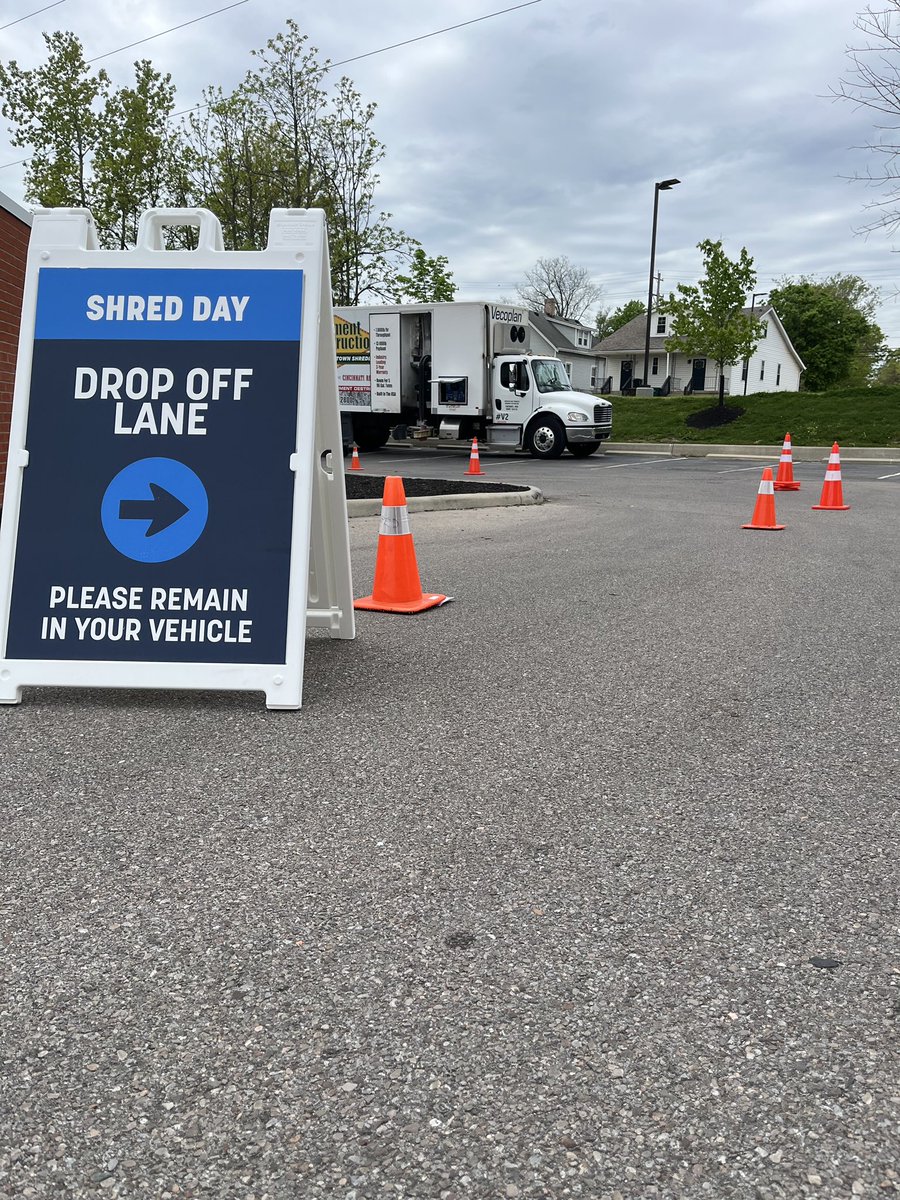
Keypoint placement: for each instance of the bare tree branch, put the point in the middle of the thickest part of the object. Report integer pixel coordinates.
(570, 288)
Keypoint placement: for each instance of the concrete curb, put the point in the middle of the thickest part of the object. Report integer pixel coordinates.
(889, 454)
(372, 508)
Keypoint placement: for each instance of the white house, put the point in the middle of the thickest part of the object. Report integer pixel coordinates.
(572, 342)
(775, 365)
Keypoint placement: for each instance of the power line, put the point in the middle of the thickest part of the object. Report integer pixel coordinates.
(9, 24)
(330, 66)
(396, 45)
(171, 29)
(422, 37)
(19, 161)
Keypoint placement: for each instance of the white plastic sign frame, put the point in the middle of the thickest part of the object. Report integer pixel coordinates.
(162, 520)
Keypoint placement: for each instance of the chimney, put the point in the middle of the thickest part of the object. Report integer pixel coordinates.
(549, 307)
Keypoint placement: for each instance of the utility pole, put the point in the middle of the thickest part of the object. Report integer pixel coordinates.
(663, 185)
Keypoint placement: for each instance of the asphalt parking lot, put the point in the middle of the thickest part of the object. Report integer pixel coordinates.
(582, 885)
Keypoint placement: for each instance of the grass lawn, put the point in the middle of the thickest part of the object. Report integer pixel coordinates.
(861, 417)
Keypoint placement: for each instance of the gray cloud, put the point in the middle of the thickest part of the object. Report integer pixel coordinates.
(542, 131)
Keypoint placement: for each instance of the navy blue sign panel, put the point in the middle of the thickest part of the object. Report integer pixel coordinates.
(156, 510)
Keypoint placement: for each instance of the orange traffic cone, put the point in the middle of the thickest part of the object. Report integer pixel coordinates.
(832, 497)
(784, 480)
(474, 460)
(764, 513)
(355, 464)
(397, 588)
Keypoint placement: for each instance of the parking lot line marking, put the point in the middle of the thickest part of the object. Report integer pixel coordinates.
(894, 476)
(646, 463)
(383, 462)
(731, 470)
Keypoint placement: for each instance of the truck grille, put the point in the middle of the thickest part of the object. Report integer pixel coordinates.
(603, 414)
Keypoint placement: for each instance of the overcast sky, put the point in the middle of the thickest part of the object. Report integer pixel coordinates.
(541, 131)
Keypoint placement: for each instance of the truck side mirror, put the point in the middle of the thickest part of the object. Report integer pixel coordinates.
(521, 377)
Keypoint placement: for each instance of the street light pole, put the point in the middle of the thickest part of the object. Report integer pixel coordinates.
(664, 186)
(747, 360)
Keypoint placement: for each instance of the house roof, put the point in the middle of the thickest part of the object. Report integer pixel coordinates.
(770, 312)
(548, 327)
(629, 338)
(16, 209)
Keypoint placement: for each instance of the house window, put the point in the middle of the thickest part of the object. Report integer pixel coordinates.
(654, 369)
(762, 369)
(660, 324)
(593, 377)
(778, 375)
(568, 367)
(744, 371)
(765, 329)
(584, 337)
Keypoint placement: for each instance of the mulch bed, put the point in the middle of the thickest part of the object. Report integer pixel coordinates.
(718, 414)
(371, 487)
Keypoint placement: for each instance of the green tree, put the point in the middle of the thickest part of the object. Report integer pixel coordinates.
(609, 320)
(288, 85)
(113, 151)
(366, 249)
(708, 318)
(137, 156)
(888, 374)
(282, 139)
(234, 166)
(55, 110)
(831, 326)
(428, 281)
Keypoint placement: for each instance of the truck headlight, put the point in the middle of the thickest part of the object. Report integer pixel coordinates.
(576, 418)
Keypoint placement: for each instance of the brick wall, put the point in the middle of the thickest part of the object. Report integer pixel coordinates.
(14, 234)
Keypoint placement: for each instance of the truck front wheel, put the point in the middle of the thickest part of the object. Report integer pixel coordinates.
(546, 438)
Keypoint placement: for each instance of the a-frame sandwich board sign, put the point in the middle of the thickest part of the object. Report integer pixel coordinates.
(175, 513)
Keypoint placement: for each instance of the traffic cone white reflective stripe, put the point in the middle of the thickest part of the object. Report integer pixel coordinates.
(832, 497)
(764, 512)
(394, 521)
(784, 480)
(397, 588)
(474, 459)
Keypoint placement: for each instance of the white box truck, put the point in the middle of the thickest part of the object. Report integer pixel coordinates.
(446, 373)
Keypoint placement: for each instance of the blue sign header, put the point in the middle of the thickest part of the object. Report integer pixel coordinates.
(180, 305)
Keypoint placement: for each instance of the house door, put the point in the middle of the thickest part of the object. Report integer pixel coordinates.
(627, 372)
(698, 375)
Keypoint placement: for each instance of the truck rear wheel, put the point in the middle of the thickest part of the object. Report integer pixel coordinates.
(371, 434)
(546, 437)
(583, 449)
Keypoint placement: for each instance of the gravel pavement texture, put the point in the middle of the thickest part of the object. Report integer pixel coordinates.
(585, 885)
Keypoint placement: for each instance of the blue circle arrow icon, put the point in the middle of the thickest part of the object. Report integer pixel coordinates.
(154, 510)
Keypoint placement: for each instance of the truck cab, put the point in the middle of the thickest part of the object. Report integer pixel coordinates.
(533, 392)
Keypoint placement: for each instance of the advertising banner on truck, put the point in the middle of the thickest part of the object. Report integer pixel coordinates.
(353, 363)
(368, 360)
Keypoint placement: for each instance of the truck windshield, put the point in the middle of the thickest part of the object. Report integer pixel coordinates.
(550, 375)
